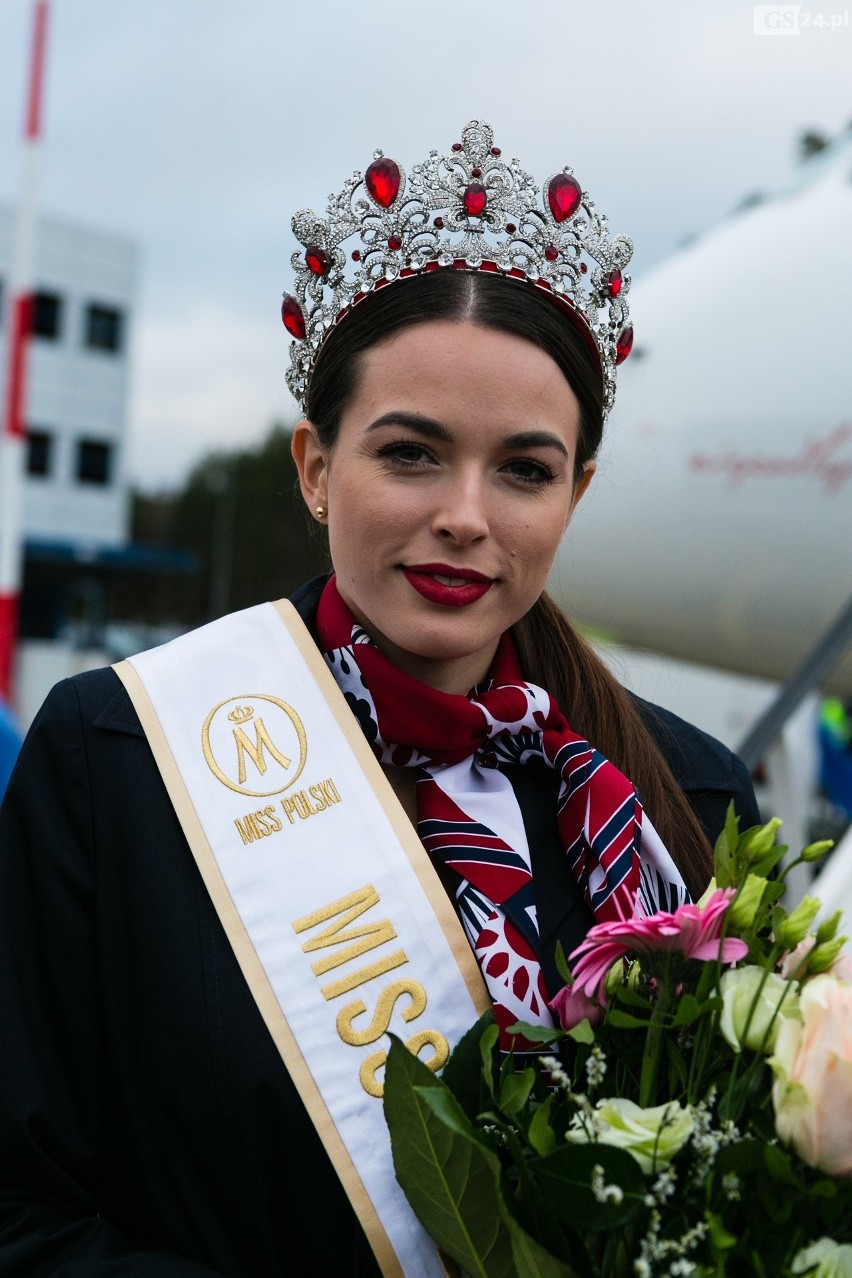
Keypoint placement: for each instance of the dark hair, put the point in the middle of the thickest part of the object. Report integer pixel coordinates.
(551, 651)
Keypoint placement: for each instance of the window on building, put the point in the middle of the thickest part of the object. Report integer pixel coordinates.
(93, 461)
(39, 452)
(103, 328)
(47, 315)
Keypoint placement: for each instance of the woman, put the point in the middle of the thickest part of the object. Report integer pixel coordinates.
(150, 1125)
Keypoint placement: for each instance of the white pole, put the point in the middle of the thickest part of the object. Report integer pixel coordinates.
(18, 327)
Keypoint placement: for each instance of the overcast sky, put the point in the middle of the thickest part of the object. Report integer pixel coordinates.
(196, 127)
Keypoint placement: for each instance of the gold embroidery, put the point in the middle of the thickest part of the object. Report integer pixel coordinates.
(339, 917)
(380, 1023)
(364, 974)
(258, 825)
(374, 1062)
(287, 724)
(363, 938)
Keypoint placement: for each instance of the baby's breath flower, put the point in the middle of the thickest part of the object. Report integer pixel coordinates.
(595, 1068)
(664, 1185)
(558, 1077)
(731, 1186)
(603, 1192)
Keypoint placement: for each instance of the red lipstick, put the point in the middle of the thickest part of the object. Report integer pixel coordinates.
(443, 584)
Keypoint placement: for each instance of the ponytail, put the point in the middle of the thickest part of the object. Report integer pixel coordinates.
(554, 656)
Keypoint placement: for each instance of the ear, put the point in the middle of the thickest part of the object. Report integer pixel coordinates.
(312, 464)
(580, 487)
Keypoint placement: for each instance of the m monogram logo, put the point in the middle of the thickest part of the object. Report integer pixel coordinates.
(254, 744)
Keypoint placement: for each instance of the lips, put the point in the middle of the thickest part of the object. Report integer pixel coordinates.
(447, 585)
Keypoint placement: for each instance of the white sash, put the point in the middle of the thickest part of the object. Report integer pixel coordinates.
(339, 923)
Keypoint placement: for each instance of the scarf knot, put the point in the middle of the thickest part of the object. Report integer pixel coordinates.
(468, 817)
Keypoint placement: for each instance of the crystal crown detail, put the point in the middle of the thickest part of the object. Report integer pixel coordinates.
(471, 210)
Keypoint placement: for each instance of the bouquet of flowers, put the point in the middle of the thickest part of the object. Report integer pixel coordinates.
(692, 1115)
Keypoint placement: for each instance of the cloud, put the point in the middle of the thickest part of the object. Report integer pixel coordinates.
(206, 377)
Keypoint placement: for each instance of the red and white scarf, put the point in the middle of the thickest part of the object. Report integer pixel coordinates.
(469, 819)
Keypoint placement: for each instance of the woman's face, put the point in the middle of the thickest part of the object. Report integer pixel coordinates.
(448, 489)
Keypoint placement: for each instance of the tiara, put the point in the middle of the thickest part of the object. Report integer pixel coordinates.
(471, 210)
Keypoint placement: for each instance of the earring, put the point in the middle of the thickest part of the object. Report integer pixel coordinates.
(321, 512)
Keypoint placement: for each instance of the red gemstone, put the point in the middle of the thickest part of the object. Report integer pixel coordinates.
(438, 224)
(614, 282)
(319, 263)
(495, 150)
(511, 228)
(394, 242)
(294, 320)
(382, 180)
(551, 253)
(474, 199)
(476, 172)
(457, 146)
(356, 255)
(564, 195)
(583, 268)
(624, 345)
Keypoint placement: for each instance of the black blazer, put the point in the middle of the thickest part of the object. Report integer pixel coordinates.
(147, 1124)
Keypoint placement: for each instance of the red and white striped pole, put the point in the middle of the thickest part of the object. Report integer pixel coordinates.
(18, 328)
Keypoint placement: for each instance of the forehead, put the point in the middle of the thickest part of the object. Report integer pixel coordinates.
(462, 373)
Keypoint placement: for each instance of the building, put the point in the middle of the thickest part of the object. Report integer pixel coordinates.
(77, 391)
(76, 504)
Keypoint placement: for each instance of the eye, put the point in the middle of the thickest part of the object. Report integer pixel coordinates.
(406, 454)
(528, 470)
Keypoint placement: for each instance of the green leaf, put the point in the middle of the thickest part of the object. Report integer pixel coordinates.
(688, 1010)
(562, 965)
(723, 853)
(544, 1034)
(780, 1167)
(720, 1238)
(486, 1050)
(531, 1259)
(462, 1073)
(630, 998)
(564, 1180)
(582, 1033)
(623, 1020)
(449, 1178)
(515, 1091)
(540, 1133)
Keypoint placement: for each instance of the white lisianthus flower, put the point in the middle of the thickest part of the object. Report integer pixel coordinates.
(741, 992)
(652, 1136)
(832, 1260)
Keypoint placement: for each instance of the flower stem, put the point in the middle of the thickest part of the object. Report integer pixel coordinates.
(654, 1045)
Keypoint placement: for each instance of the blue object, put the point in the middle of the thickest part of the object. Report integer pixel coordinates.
(10, 744)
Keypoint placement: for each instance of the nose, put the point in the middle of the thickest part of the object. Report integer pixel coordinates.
(461, 515)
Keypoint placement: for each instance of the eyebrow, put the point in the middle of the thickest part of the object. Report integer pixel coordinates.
(431, 429)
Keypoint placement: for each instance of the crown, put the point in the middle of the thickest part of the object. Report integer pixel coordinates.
(241, 714)
(469, 209)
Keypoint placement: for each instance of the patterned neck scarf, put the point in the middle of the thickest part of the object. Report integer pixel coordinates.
(468, 817)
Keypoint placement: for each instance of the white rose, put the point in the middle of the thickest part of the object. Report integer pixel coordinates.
(832, 1260)
(652, 1136)
(740, 1000)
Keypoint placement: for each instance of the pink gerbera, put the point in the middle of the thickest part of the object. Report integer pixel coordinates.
(694, 931)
